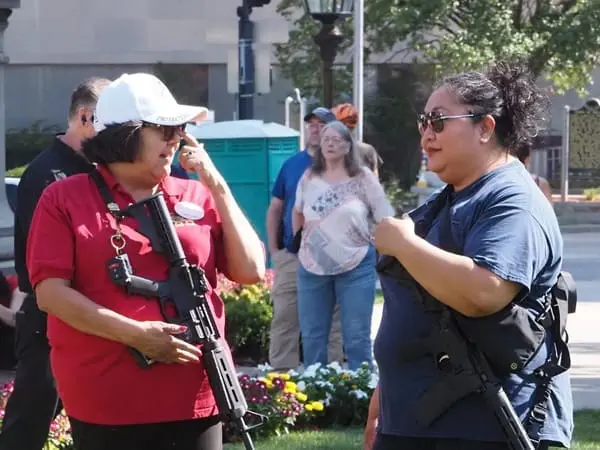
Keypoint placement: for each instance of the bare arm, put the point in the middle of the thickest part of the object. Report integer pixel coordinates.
(297, 220)
(372, 419)
(243, 249)
(374, 405)
(57, 298)
(274, 215)
(7, 315)
(153, 339)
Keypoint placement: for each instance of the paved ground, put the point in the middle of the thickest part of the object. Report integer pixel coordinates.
(582, 259)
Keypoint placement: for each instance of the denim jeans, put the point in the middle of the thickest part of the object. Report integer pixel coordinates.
(354, 291)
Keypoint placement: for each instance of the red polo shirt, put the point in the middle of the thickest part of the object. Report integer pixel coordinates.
(97, 379)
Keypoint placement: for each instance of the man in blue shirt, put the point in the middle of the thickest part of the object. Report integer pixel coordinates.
(284, 349)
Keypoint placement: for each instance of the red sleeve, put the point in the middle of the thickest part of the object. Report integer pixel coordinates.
(50, 244)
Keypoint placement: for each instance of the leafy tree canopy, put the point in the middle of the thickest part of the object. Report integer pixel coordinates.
(560, 39)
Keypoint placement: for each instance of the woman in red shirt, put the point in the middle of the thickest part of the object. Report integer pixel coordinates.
(113, 403)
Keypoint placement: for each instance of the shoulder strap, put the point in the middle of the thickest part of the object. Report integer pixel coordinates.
(440, 205)
(106, 195)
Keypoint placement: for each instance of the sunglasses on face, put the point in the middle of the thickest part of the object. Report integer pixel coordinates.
(436, 120)
(170, 133)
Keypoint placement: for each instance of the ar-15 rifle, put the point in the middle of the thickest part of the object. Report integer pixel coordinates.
(185, 290)
(465, 369)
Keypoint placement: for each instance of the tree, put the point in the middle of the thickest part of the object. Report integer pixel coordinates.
(559, 39)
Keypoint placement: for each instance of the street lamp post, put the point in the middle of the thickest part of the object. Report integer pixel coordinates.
(329, 37)
(6, 215)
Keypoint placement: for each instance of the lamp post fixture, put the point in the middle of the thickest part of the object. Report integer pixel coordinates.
(329, 37)
(6, 215)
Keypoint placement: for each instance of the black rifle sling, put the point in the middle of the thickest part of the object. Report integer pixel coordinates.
(144, 221)
(553, 321)
(104, 190)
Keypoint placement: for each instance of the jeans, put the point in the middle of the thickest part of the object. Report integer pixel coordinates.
(354, 291)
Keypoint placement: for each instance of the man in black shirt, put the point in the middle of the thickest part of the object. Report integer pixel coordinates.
(34, 402)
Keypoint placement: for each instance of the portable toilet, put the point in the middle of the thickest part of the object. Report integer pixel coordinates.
(249, 154)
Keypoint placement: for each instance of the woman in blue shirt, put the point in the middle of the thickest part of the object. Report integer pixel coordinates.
(506, 246)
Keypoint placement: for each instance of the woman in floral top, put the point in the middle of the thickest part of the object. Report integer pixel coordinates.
(337, 203)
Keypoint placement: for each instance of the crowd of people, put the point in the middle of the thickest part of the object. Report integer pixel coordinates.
(487, 243)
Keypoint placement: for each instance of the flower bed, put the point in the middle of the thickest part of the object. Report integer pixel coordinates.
(320, 397)
(248, 319)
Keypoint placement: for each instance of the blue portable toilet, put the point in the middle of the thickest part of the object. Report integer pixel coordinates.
(249, 154)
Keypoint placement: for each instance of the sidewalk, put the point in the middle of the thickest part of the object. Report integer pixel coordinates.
(584, 342)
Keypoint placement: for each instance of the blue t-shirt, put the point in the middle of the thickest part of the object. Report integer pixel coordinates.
(285, 190)
(505, 224)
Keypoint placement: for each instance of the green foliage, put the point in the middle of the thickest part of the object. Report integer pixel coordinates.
(344, 393)
(248, 319)
(402, 91)
(22, 145)
(592, 194)
(401, 199)
(278, 398)
(559, 39)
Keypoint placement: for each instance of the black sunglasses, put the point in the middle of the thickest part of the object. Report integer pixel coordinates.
(436, 120)
(169, 131)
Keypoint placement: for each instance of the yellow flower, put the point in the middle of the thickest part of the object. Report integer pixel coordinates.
(308, 407)
(285, 376)
(269, 384)
(301, 397)
(272, 375)
(290, 386)
(317, 406)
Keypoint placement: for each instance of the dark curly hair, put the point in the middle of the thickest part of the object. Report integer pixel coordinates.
(116, 143)
(507, 92)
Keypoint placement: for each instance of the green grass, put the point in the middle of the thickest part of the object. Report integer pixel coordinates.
(379, 298)
(587, 437)
(16, 172)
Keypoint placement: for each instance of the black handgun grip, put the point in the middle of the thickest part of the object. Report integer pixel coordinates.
(141, 360)
(142, 286)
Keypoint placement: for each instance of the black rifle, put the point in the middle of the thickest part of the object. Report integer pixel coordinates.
(184, 291)
(465, 369)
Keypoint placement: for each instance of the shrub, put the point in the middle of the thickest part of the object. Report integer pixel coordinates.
(592, 194)
(344, 393)
(278, 398)
(16, 172)
(22, 145)
(248, 315)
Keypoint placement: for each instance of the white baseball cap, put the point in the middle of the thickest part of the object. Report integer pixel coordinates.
(142, 97)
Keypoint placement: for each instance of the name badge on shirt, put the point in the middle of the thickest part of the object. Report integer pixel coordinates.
(187, 213)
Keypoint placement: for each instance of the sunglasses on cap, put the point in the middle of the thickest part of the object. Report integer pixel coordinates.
(170, 132)
(436, 120)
